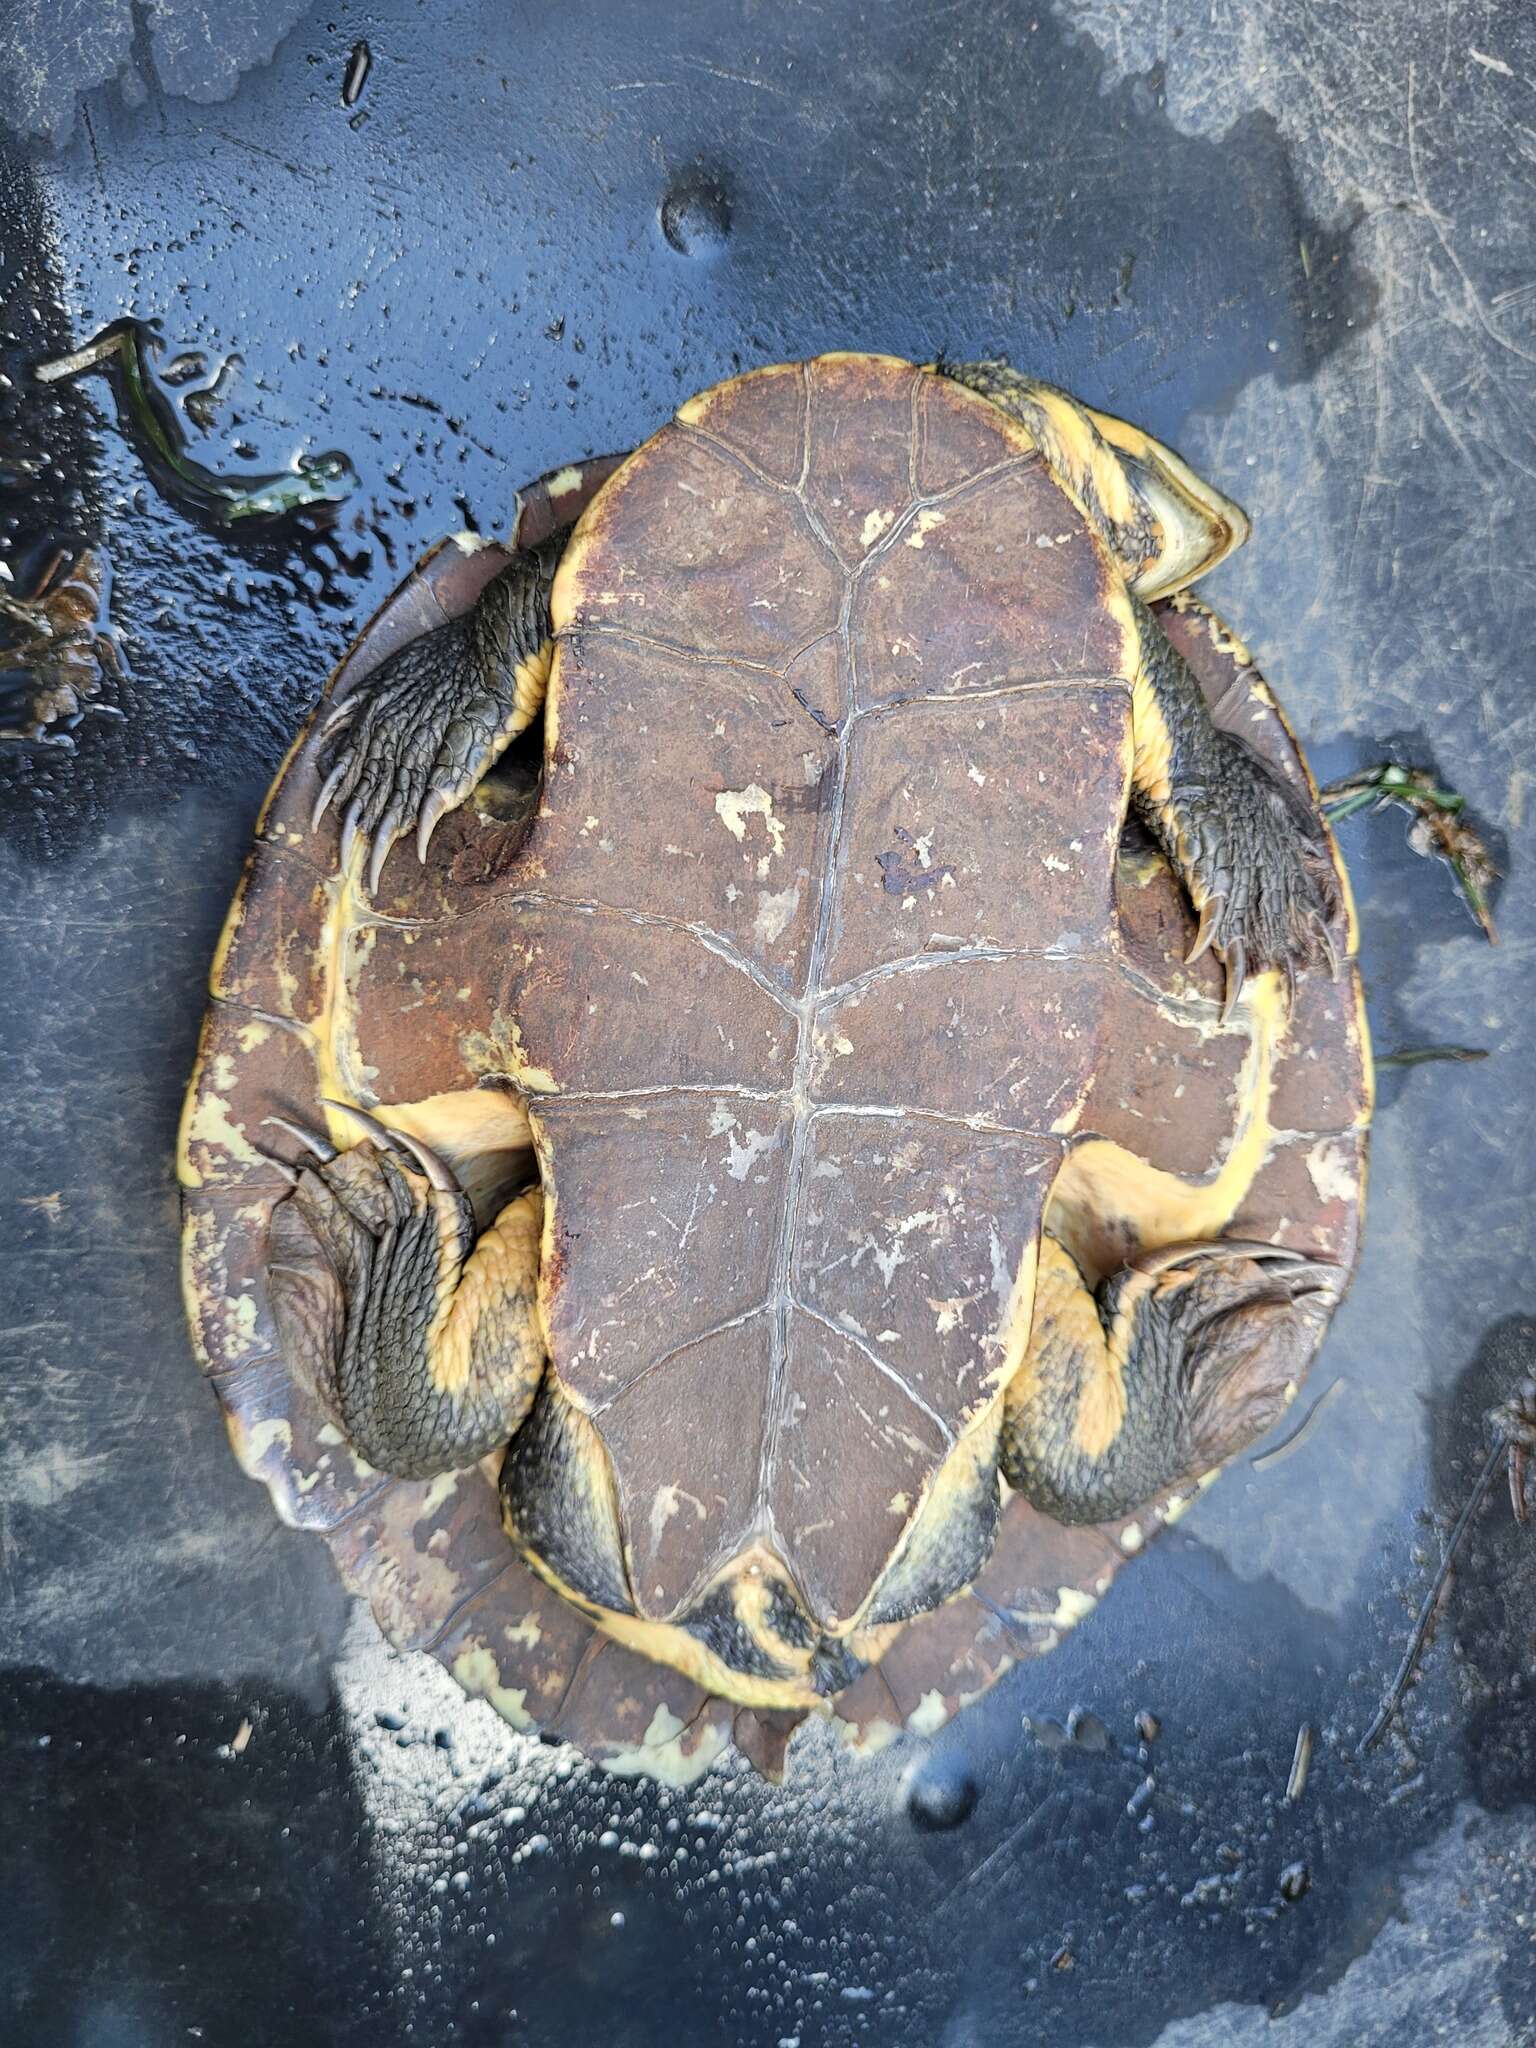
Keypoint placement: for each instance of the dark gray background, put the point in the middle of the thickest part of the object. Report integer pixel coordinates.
(1298, 241)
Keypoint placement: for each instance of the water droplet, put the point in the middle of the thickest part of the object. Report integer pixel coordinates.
(1295, 1881)
(696, 218)
(941, 1793)
(1088, 1731)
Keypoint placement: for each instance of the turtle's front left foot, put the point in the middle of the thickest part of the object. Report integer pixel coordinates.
(413, 739)
(1252, 853)
(1255, 862)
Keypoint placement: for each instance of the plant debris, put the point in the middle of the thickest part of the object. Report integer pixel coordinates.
(64, 645)
(1514, 1426)
(1439, 826)
(1420, 1055)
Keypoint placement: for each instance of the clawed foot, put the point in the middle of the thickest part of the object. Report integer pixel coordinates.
(1258, 869)
(413, 739)
(1227, 1327)
(365, 1263)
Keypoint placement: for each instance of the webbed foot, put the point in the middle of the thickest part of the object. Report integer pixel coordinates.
(1257, 867)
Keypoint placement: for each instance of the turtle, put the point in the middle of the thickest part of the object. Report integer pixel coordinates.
(850, 1103)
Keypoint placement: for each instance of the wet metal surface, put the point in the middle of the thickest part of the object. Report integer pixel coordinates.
(1299, 244)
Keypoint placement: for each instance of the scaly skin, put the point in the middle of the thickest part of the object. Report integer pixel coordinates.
(1181, 1358)
(414, 738)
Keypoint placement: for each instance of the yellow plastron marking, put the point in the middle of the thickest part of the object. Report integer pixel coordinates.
(1101, 1180)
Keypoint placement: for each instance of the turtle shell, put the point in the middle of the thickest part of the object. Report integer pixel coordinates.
(823, 951)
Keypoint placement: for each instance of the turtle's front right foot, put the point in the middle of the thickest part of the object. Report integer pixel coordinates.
(411, 741)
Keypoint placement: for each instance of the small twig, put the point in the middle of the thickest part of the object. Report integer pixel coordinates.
(1301, 1763)
(1294, 1441)
(1419, 1055)
(1420, 1636)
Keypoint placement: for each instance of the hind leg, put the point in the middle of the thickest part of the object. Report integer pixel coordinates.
(1176, 1363)
(420, 1339)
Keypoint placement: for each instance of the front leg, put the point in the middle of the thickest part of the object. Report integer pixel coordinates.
(415, 736)
(1177, 1362)
(1252, 855)
(420, 1341)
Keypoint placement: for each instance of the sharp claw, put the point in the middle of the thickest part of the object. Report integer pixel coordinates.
(400, 1141)
(1209, 917)
(1236, 964)
(278, 1166)
(312, 1141)
(435, 808)
(1258, 1249)
(383, 840)
(343, 714)
(328, 789)
(438, 1172)
(351, 829)
(380, 1133)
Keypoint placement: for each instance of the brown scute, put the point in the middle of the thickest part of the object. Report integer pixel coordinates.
(690, 540)
(1007, 586)
(1167, 1096)
(641, 1002)
(956, 840)
(686, 1516)
(691, 1190)
(1309, 1196)
(1321, 1082)
(734, 820)
(760, 417)
(270, 957)
(1011, 1042)
(858, 479)
(911, 1237)
(960, 436)
(851, 1455)
(223, 1252)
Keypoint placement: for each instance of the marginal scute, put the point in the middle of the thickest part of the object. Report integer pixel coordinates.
(959, 435)
(761, 416)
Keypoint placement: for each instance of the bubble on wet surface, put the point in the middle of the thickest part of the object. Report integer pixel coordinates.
(696, 217)
(941, 1793)
(1295, 1881)
(1088, 1732)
